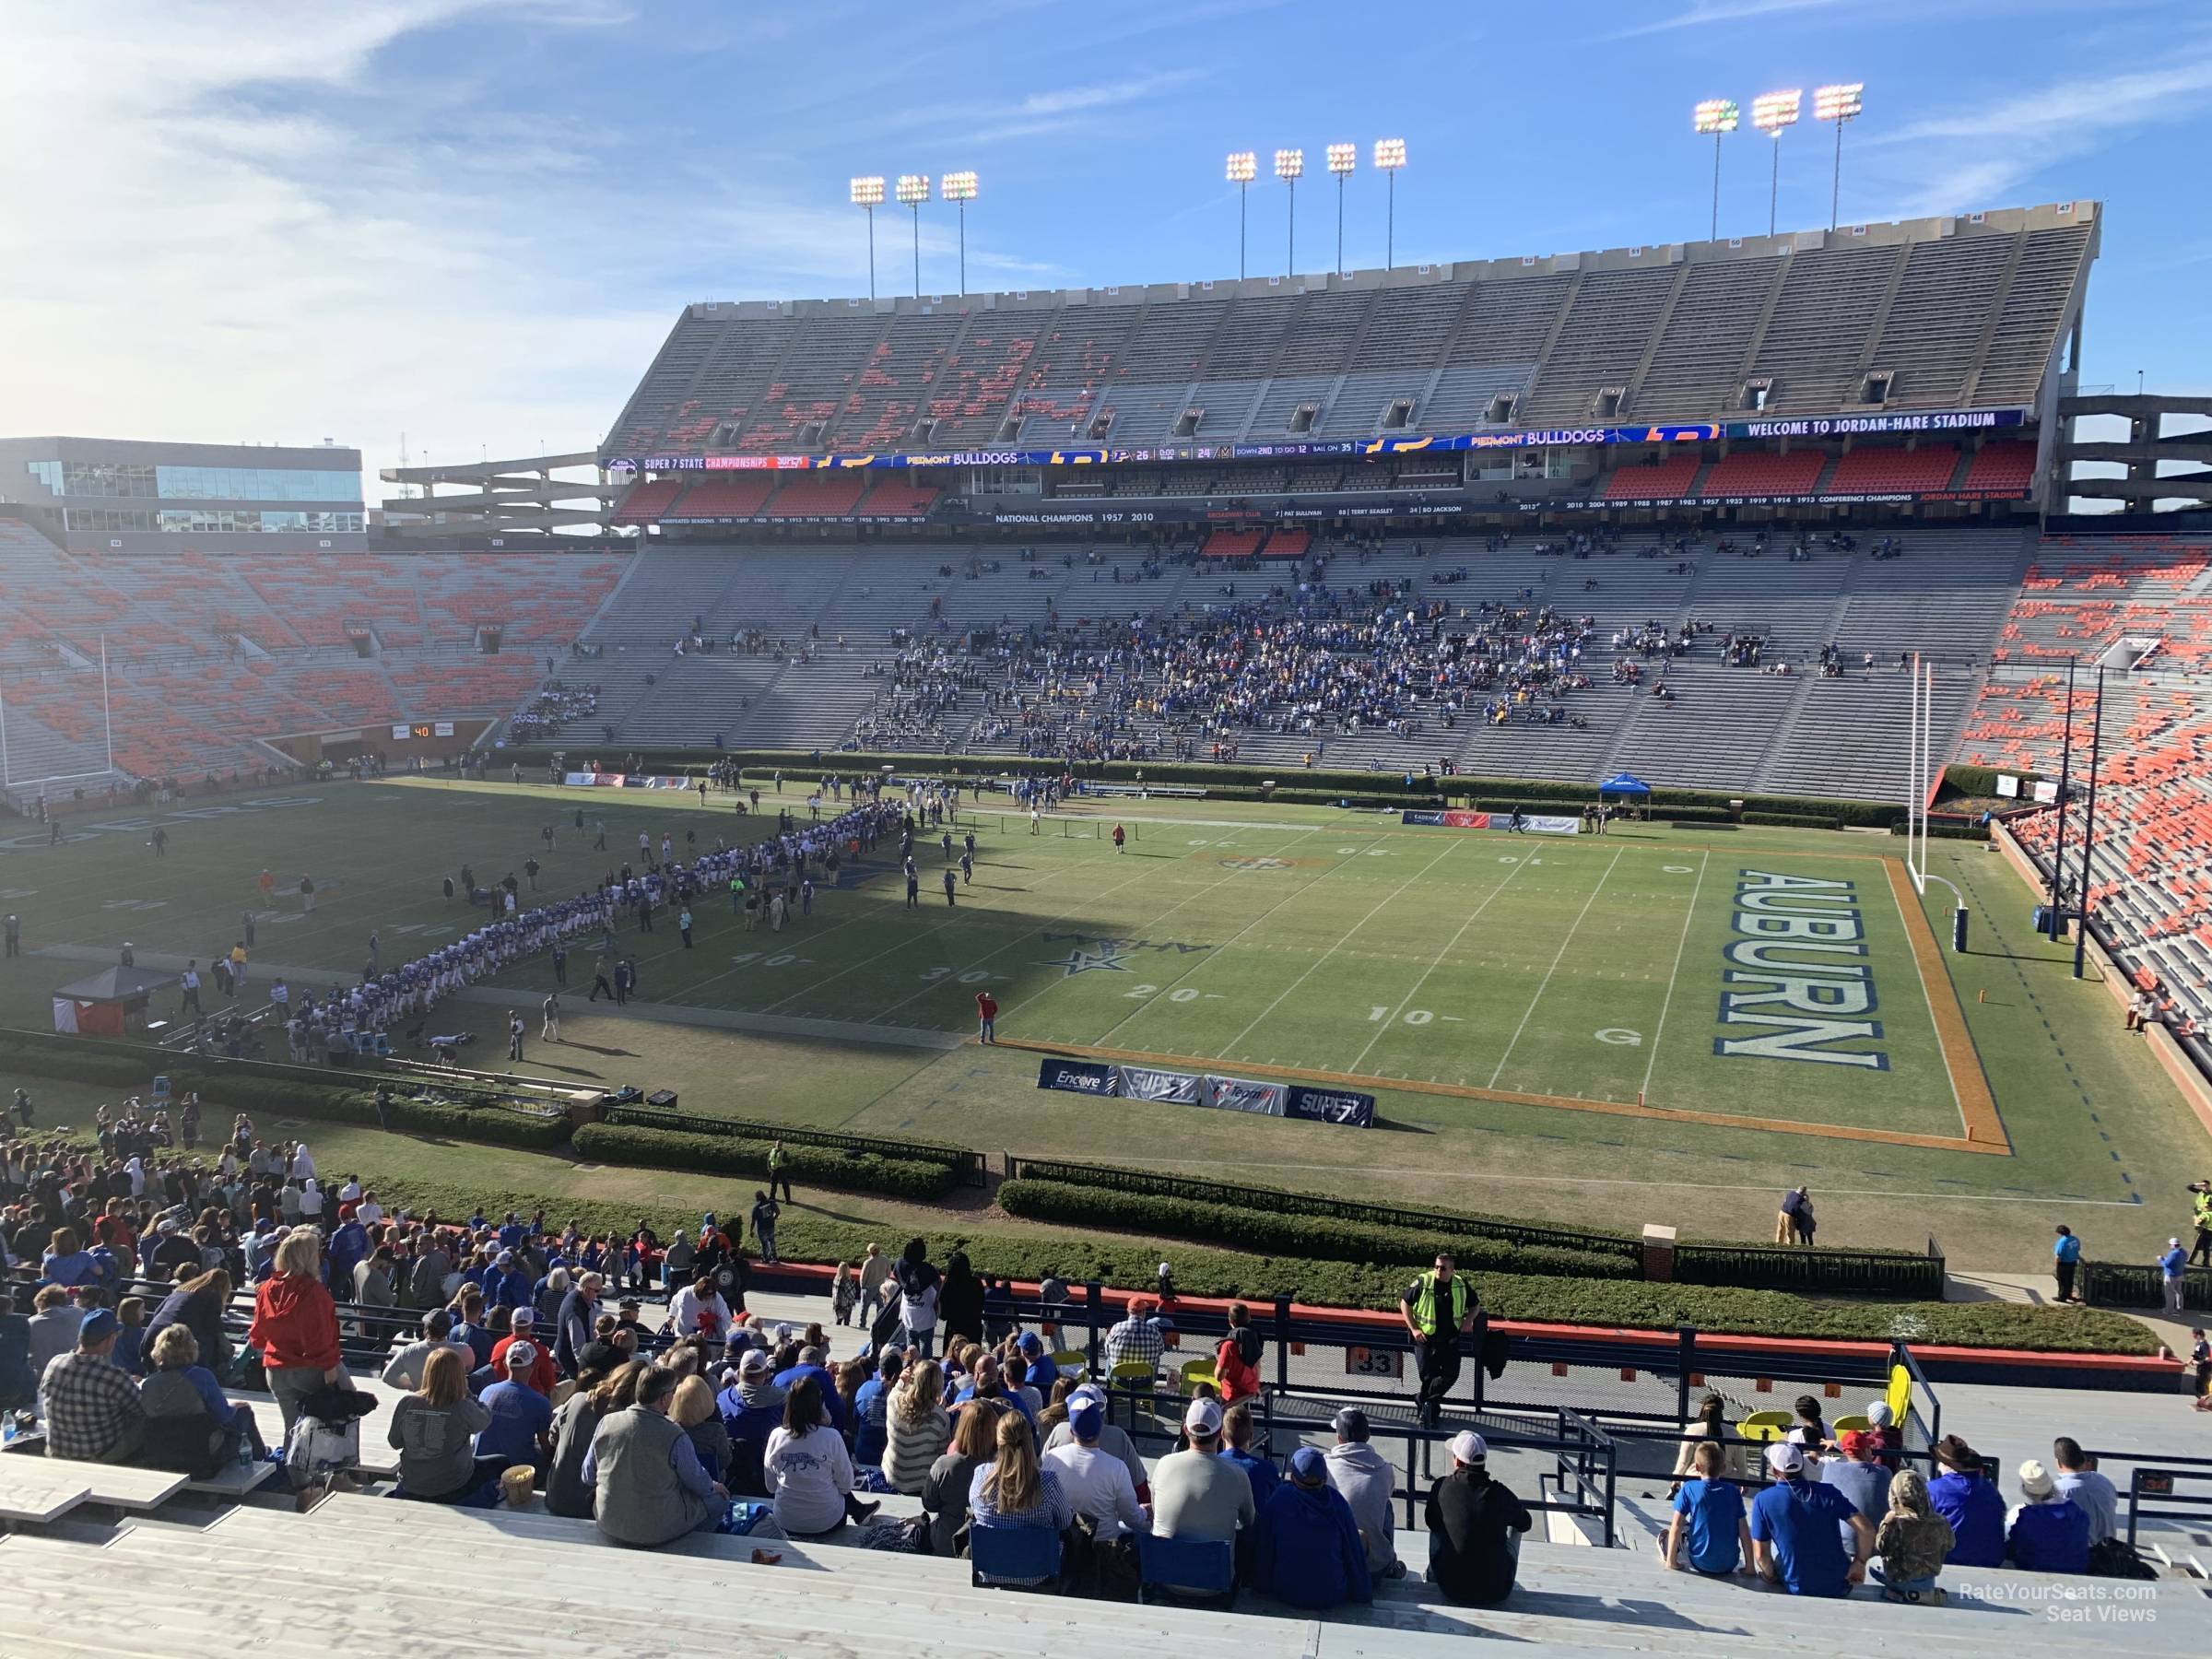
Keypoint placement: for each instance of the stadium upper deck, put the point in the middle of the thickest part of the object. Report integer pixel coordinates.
(1885, 327)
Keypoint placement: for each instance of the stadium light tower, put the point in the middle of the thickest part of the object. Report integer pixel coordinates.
(1838, 104)
(960, 187)
(1290, 166)
(1774, 114)
(868, 194)
(913, 190)
(1390, 156)
(1343, 158)
(1717, 116)
(1243, 166)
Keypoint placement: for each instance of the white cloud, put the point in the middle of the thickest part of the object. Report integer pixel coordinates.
(1700, 14)
(216, 232)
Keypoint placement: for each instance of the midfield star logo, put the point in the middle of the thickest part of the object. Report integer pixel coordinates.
(1107, 957)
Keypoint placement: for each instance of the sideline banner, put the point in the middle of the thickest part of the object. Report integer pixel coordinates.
(1143, 1083)
(625, 781)
(1233, 1094)
(1330, 1106)
(1078, 1077)
(1460, 819)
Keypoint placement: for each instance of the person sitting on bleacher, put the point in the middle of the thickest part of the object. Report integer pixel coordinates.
(916, 1427)
(2047, 1531)
(1475, 1524)
(808, 1465)
(1797, 1530)
(523, 1331)
(648, 1488)
(199, 1305)
(433, 1429)
(189, 1426)
(1913, 1540)
(1306, 1551)
(1013, 1489)
(1709, 1518)
(1095, 1481)
(54, 1321)
(521, 1418)
(1236, 1448)
(1365, 1479)
(1198, 1493)
(1964, 1496)
(93, 1412)
(576, 1424)
(404, 1369)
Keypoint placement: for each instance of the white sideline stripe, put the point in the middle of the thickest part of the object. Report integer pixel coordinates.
(1100, 1041)
(1404, 1001)
(1927, 992)
(1558, 956)
(1651, 1062)
(1333, 949)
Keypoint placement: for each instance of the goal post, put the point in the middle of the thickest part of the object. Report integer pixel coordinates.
(1920, 784)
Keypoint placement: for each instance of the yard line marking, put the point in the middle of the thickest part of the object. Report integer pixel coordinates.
(1225, 944)
(1332, 950)
(1667, 1002)
(1407, 1001)
(1558, 956)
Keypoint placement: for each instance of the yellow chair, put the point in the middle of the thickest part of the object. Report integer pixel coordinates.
(1766, 1425)
(1899, 1395)
(1071, 1360)
(1136, 1375)
(1195, 1371)
(1847, 1424)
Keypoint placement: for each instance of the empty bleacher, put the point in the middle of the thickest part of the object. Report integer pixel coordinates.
(1877, 471)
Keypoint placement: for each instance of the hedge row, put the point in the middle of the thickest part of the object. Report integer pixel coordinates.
(1199, 1271)
(730, 1155)
(664, 1120)
(1793, 821)
(1269, 1232)
(1815, 1272)
(799, 764)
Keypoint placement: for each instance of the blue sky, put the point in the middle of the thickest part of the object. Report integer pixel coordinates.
(473, 222)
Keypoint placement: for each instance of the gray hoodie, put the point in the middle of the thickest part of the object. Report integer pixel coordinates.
(1364, 1477)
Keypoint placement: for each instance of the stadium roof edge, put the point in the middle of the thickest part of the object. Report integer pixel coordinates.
(1995, 221)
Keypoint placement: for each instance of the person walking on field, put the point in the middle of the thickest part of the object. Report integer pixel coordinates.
(2066, 1256)
(552, 1009)
(515, 1036)
(986, 1014)
(1438, 1309)
(1794, 1221)
(1119, 837)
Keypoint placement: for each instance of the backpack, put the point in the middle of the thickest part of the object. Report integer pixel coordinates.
(1248, 1345)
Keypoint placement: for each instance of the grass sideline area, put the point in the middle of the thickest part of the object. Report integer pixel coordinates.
(1535, 960)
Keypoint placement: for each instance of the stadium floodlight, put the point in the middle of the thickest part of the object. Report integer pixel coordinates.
(960, 187)
(1243, 166)
(913, 190)
(867, 195)
(1718, 117)
(1343, 158)
(1839, 104)
(1290, 166)
(1774, 114)
(1390, 156)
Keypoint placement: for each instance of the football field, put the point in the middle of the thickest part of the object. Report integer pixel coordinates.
(1701, 1006)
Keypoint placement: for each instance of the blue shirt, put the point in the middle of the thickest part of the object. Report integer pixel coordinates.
(1263, 1475)
(833, 1403)
(1977, 1516)
(2067, 1249)
(2051, 1537)
(1802, 1524)
(1712, 1510)
(871, 1436)
(519, 1415)
(2172, 1262)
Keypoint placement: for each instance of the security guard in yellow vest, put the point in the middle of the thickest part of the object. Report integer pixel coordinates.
(1438, 1309)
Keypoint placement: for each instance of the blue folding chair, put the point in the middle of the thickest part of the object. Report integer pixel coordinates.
(161, 1090)
(1189, 1569)
(1012, 1557)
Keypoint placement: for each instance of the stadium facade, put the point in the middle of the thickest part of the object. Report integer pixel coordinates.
(1917, 365)
(112, 495)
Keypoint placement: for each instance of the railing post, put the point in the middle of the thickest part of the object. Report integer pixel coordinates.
(1094, 1295)
(1481, 1335)
(1686, 1356)
(1282, 1341)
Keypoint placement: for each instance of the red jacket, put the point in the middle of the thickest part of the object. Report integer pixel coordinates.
(543, 1373)
(295, 1325)
(1236, 1380)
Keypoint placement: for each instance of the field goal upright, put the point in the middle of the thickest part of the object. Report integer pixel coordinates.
(1920, 777)
(26, 753)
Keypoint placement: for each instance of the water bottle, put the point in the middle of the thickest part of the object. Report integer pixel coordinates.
(7, 1434)
(245, 1452)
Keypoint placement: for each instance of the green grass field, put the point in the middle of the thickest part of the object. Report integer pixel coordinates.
(1508, 999)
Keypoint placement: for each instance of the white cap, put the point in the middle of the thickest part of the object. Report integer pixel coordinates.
(1784, 1458)
(521, 1356)
(1468, 1447)
(1204, 1416)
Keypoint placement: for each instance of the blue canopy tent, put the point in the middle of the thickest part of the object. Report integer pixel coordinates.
(1627, 790)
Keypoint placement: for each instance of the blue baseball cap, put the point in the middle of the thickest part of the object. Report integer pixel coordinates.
(1029, 1343)
(97, 1326)
(1308, 1467)
(1086, 1420)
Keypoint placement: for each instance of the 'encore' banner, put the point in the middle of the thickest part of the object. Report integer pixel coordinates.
(1704, 431)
